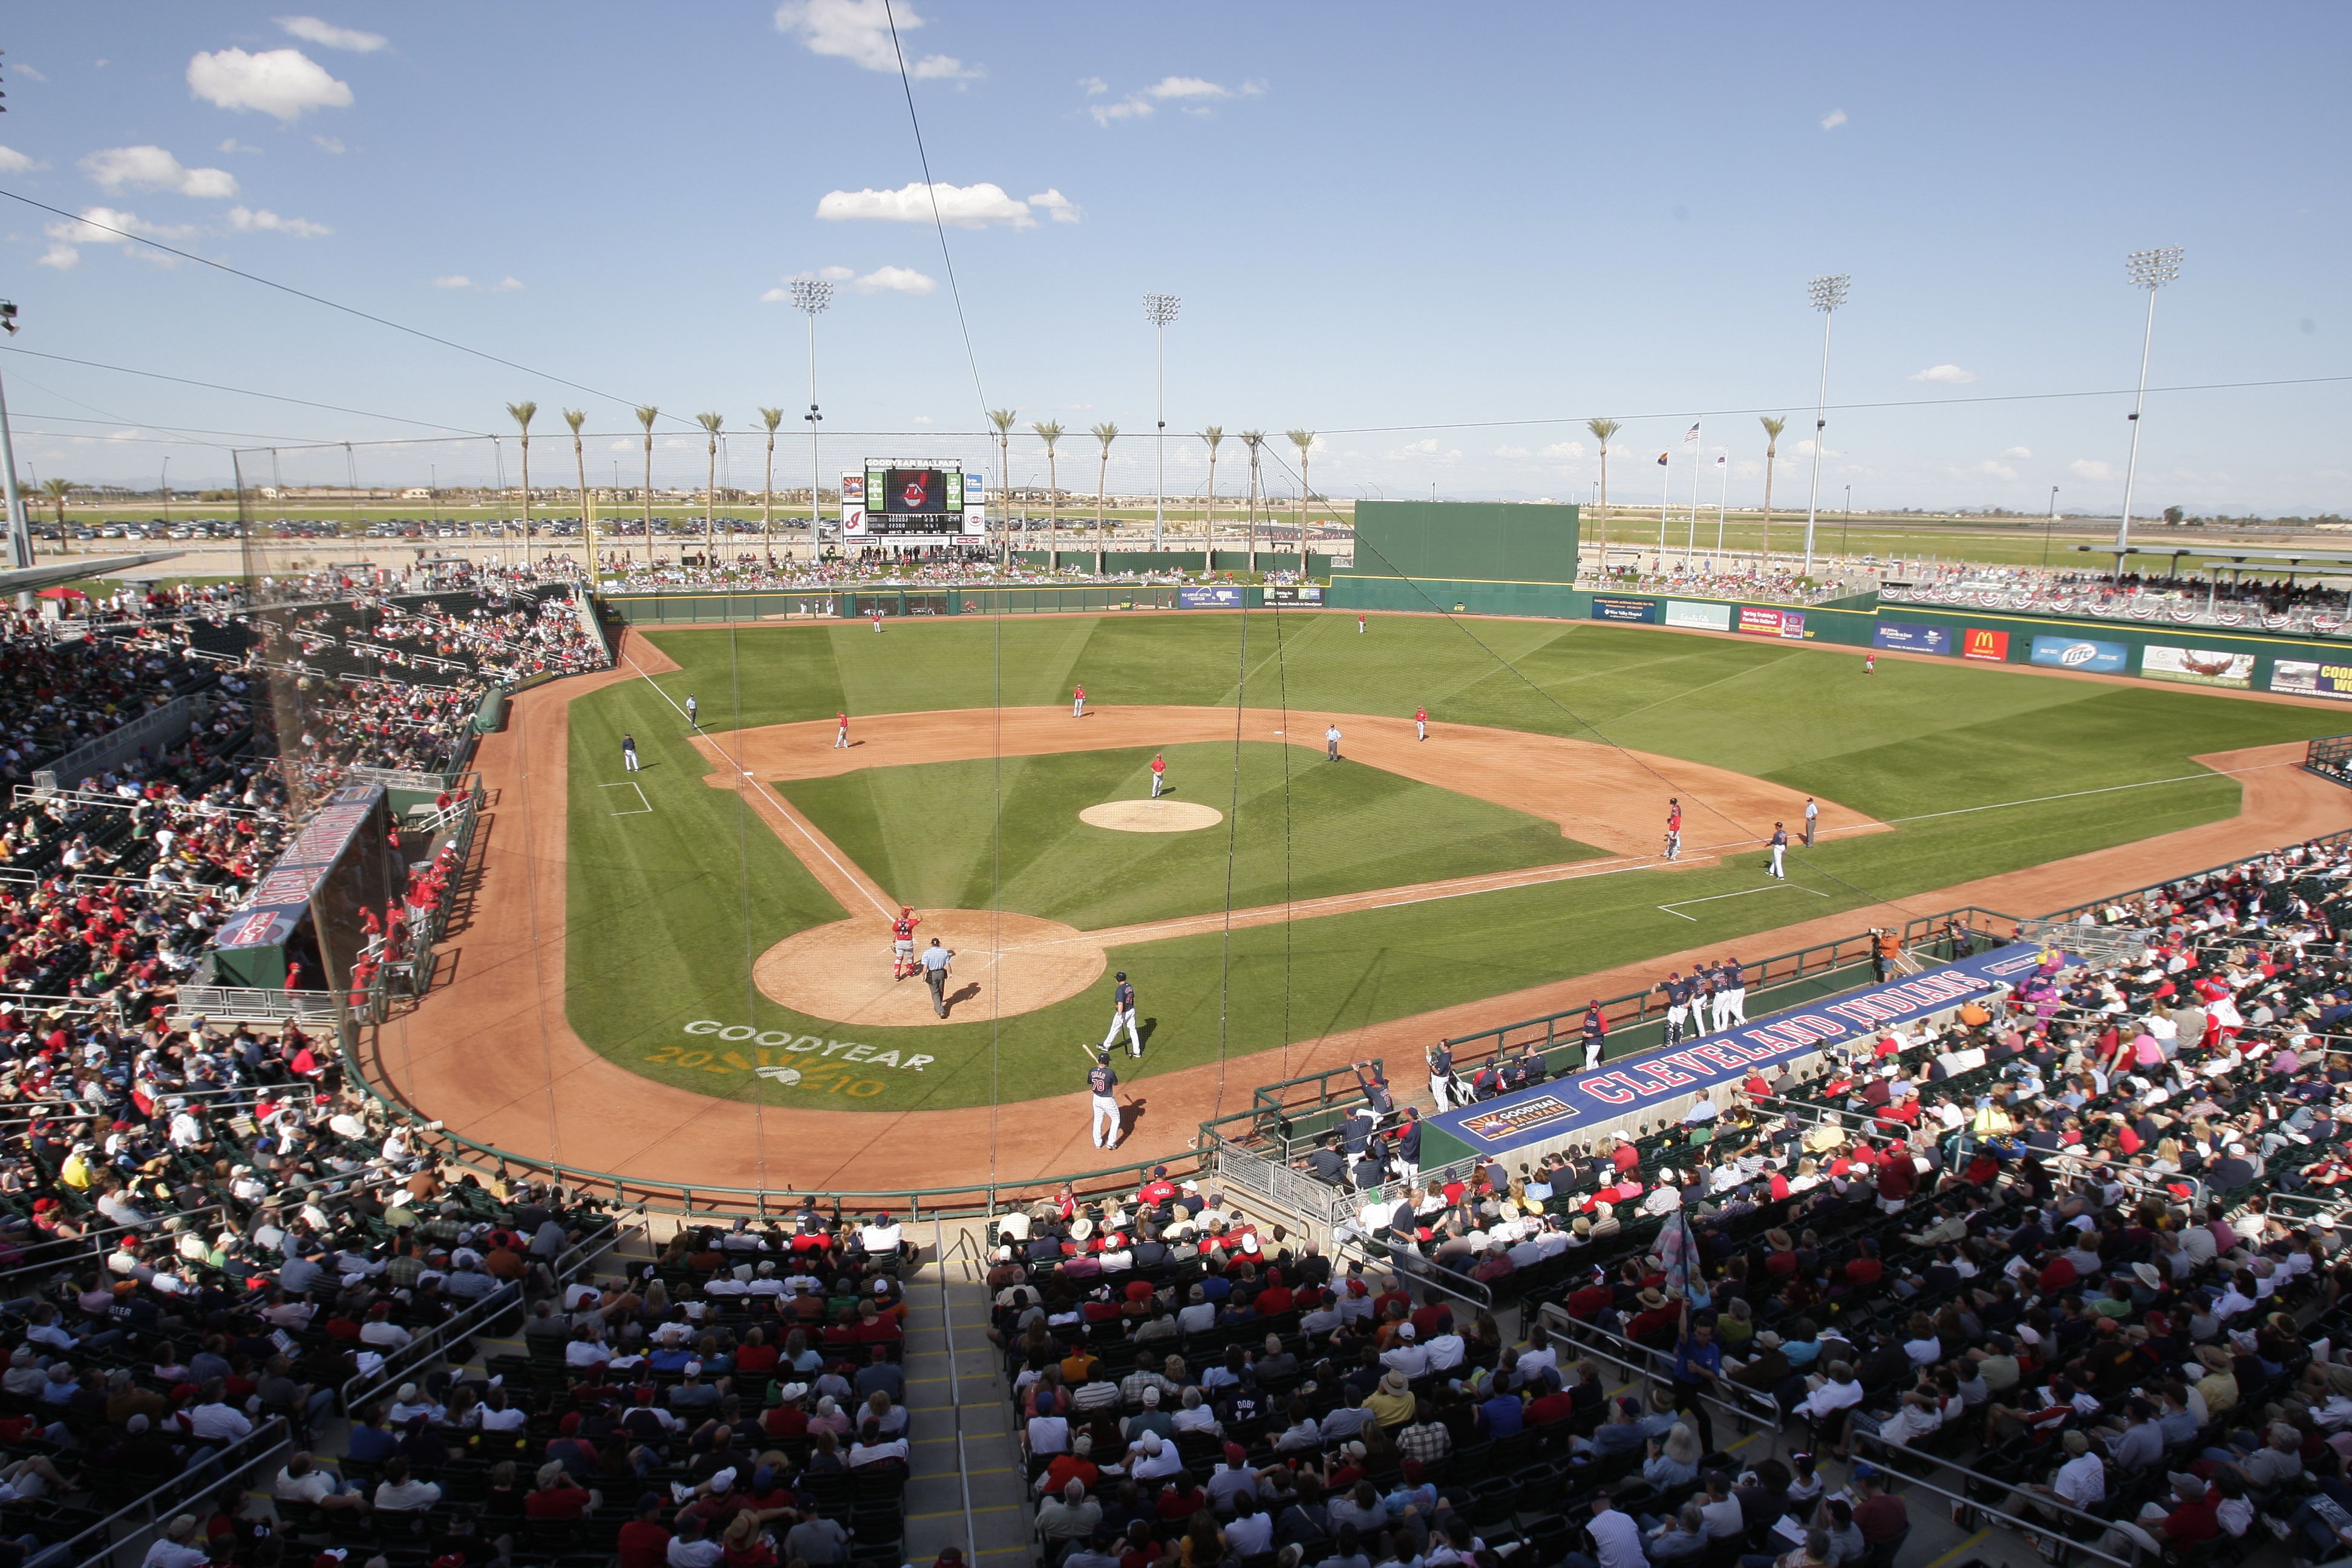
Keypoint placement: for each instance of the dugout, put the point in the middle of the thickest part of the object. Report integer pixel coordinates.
(307, 907)
(1480, 558)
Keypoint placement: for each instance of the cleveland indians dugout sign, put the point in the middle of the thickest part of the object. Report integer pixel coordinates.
(1668, 1079)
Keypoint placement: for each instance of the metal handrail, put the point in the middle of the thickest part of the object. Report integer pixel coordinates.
(71, 1259)
(1752, 1406)
(1421, 1272)
(2055, 1503)
(187, 1483)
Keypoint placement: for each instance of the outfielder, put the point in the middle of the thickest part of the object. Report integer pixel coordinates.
(1122, 1017)
(902, 944)
(1159, 775)
(877, 623)
(1779, 848)
(1420, 723)
(628, 753)
(1674, 829)
(1078, 703)
(1100, 1081)
(840, 731)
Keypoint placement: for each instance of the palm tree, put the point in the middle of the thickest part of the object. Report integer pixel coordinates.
(56, 490)
(645, 417)
(1213, 436)
(1003, 419)
(1305, 441)
(522, 414)
(1604, 431)
(710, 423)
(1254, 440)
(1050, 432)
(1772, 429)
(771, 417)
(1106, 433)
(575, 418)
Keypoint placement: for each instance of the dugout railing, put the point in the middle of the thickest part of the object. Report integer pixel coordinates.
(2331, 758)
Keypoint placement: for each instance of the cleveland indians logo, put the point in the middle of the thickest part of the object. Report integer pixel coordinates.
(915, 495)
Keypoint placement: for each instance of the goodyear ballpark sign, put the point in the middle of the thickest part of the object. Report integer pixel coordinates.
(1713, 1061)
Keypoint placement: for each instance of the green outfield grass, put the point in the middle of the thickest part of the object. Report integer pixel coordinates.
(1350, 829)
(670, 907)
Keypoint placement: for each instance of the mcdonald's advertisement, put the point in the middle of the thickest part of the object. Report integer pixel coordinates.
(1984, 643)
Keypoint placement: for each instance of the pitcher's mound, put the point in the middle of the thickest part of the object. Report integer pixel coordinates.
(1004, 963)
(1151, 815)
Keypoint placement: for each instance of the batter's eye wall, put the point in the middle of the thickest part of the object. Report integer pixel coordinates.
(1464, 542)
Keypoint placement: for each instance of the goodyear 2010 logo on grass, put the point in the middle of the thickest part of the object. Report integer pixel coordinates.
(780, 1057)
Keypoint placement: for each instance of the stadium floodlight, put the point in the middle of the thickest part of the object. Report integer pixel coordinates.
(2151, 270)
(1826, 293)
(20, 530)
(812, 296)
(1160, 309)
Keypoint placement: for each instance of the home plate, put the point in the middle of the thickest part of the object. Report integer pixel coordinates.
(1151, 815)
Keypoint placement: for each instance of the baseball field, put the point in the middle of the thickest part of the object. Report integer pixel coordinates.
(726, 908)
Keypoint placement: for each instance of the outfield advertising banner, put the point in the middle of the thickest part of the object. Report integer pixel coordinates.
(1602, 1094)
(2197, 666)
(1911, 636)
(1984, 643)
(1294, 593)
(1699, 617)
(1210, 597)
(1642, 612)
(1759, 621)
(2082, 653)
(2303, 678)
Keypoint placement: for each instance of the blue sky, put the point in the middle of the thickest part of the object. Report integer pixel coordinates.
(1400, 226)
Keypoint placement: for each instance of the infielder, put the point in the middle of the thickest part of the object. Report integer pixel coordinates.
(628, 753)
(1122, 1017)
(902, 943)
(1159, 775)
(1779, 848)
(1674, 829)
(1100, 1081)
(840, 731)
(1812, 819)
(1078, 703)
(1420, 723)
(692, 708)
(1331, 743)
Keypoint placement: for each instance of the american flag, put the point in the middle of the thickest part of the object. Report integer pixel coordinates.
(1721, 457)
(1691, 434)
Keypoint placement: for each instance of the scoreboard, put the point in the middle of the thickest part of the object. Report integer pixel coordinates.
(910, 500)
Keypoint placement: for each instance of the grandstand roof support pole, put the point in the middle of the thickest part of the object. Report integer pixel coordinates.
(20, 531)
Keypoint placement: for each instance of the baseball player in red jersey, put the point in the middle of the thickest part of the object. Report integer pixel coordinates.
(1674, 829)
(1078, 703)
(1870, 663)
(878, 621)
(1420, 723)
(1158, 774)
(840, 731)
(902, 944)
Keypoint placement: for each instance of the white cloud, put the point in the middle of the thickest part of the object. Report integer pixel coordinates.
(894, 281)
(922, 419)
(2090, 469)
(263, 218)
(15, 162)
(1125, 109)
(1564, 450)
(104, 225)
(775, 297)
(234, 145)
(1512, 452)
(283, 83)
(1190, 88)
(459, 280)
(327, 35)
(328, 144)
(1945, 375)
(2016, 452)
(1833, 118)
(153, 169)
(836, 274)
(963, 206)
(27, 72)
(1804, 448)
(1095, 86)
(859, 31)
(1997, 470)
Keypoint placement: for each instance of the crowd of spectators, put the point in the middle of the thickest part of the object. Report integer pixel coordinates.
(969, 566)
(2280, 605)
(1739, 578)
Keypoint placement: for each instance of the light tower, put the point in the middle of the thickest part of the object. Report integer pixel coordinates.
(812, 296)
(1827, 294)
(1160, 309)
(2151, 270)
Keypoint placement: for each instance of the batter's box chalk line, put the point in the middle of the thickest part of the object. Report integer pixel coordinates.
(642, 806)
(1676, 908)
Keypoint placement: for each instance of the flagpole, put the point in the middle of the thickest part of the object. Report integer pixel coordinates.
(1723, 467)
(1665, 491)
(1690, 536)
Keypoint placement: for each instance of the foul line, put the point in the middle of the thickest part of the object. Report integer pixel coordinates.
(644, 805)
(2079, 793)
(1676, 908)
(782, 808)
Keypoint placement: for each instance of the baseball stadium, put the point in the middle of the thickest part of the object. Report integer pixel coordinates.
(1375, 1008)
